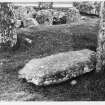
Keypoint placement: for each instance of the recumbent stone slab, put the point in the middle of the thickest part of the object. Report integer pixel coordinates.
(59, 67)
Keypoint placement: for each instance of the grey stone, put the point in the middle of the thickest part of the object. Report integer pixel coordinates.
(59, 67)
(30, 22)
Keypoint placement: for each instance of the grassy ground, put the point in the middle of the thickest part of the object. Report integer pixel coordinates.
(47, 41)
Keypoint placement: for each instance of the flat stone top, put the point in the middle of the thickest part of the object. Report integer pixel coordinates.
(56, 63)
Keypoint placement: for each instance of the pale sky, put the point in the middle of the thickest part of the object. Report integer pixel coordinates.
(56, 4)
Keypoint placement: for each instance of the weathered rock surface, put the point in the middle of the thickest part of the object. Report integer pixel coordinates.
(29, 22)
(59, 67)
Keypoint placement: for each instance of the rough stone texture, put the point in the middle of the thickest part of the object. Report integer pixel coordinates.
(59, 67)
(44, 15)
(101, 40)
(8, 35)
(47, 16)
(23, 12)
(73, 15)
(29, 22)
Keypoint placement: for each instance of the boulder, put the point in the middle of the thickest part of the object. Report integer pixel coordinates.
(29, 22)
(59, 67)
(44, 16)
(23, 12)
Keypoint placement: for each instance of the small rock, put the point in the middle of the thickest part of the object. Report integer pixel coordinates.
(28, 40)
(73, 82)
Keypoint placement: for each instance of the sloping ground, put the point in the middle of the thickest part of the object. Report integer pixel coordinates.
(47, 41)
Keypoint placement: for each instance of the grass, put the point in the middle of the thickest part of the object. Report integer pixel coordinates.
(46, 41)
(61, 38)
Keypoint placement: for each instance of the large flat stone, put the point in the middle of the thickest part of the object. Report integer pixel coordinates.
(59, 67)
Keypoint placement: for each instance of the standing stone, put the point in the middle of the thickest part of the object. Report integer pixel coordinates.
(101, 39)
(8, 36)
